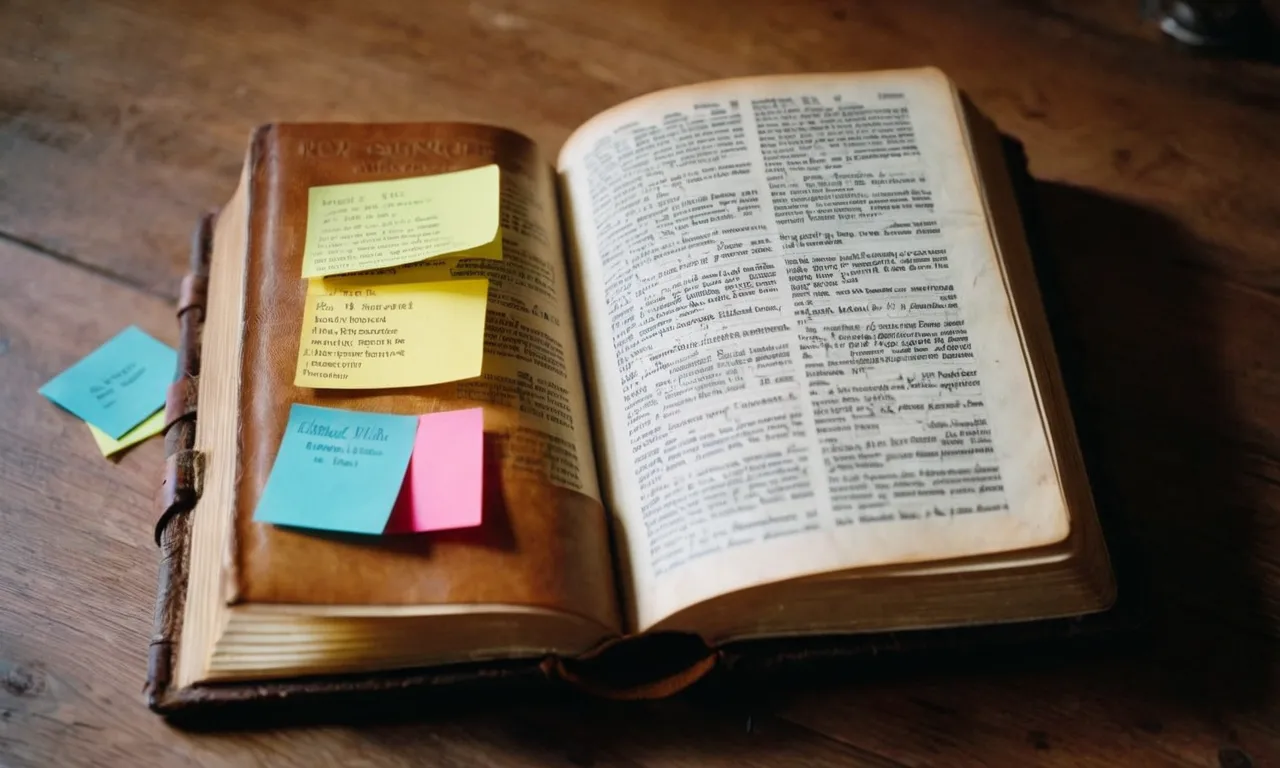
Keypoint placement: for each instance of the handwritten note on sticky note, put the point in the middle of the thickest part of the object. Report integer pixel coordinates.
(444, 486)
(371, 336)
(148, 428)
(337, 470)
(375, 224)
(118, 384)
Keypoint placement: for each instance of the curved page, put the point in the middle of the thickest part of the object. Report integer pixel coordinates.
(817, 365)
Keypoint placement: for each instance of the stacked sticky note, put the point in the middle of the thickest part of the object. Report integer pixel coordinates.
(384, 309)
(118, 389)
(373, 473)
(370, 322)
(375, 224)
(401, 329)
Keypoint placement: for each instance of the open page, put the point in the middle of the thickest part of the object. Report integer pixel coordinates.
(800, 342)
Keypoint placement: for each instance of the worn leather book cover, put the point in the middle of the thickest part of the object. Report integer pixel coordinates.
(646, 667)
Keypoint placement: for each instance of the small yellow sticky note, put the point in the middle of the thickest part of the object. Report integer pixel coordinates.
(353, 227)
(148, 428)
(357, 335)
(490, 250)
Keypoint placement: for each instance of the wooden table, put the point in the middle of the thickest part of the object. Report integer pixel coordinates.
(1159, 179)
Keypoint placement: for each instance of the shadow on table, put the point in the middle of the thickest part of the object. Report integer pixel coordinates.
(1142, 330)
(1139, 326)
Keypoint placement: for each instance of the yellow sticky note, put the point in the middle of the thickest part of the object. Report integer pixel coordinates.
(148, 428)
(373, 224)
(361, 336)
(490, 250)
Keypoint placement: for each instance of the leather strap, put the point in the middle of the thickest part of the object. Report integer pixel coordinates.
(172, 583)
(183, 467)
(180, 401)
(192, 294)
(180, 486)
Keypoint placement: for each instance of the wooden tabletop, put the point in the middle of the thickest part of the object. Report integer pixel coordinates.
(1159, 183)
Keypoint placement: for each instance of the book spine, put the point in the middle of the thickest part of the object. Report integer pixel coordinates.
(180, 485)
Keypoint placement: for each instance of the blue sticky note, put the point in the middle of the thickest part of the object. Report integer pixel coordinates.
(337, 470)
(117, 385)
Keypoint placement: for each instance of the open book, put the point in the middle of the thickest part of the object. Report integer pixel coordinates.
(764, 358)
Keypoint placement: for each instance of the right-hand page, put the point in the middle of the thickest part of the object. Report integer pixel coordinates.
(803, 354)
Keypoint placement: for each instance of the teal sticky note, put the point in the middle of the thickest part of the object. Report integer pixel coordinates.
(337, 470)
(117, 385)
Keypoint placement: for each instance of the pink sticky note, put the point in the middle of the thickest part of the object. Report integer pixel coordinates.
(443, 486)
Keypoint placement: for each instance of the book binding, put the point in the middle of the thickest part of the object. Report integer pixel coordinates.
(627, 668)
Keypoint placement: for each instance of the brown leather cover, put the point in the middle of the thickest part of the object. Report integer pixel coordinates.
(540, 544)
(648, 667)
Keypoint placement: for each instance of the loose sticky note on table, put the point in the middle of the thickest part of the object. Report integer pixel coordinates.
(109, 445)
(444, 486)
(372, 224)
(357, 335)
(118, 384)
(337, 470)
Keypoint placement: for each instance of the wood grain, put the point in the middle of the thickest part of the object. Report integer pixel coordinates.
(120, 121)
